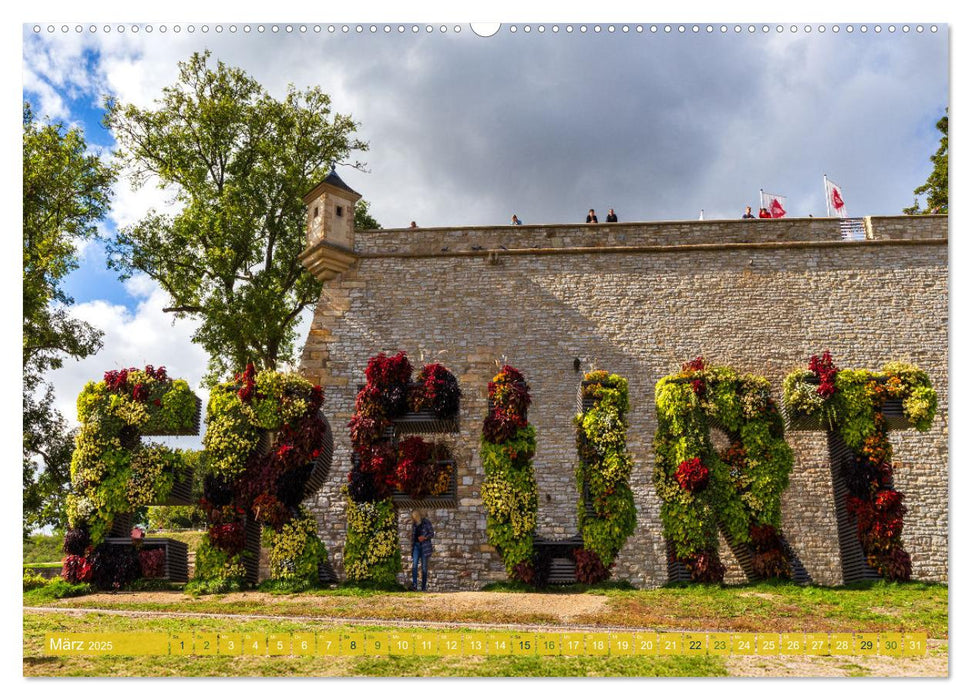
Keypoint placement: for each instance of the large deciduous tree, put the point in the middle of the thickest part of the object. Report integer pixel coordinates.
(239, 162)
(936, 186)
(66, 191)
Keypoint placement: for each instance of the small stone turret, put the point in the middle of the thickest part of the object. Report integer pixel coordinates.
(330, 227)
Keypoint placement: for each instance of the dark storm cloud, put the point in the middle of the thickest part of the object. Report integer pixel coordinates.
(466, 131)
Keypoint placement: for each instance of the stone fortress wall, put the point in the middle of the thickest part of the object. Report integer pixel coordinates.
(637, 299)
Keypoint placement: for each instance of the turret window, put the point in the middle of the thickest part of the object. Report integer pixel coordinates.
(340, 211)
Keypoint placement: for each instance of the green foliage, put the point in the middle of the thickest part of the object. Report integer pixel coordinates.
(371, 550)
(858, 398)
(43, 548)
(604, 468)
(745, 483)
(217, 571)
(296, 551)
(112, 472)
(32, 581)
(509, 496)
(233, 427)
(936, 186)
(239, 162)
(182, 517)
(53, 589)
(230, 437)
(363, 221)
(66, 191)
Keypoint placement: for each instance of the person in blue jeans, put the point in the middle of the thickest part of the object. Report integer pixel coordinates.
(421, 548)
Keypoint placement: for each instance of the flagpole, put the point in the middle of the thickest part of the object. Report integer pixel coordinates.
(826, 194)
(761, 200)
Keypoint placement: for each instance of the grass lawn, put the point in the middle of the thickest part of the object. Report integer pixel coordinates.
(910, 607)
(43, 548)
(36, 664)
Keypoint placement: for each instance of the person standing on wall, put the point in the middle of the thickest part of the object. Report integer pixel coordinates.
(515, 221)
(748, 213)
(611, 217)
(764, 213)
(421, 548)
(592, 217)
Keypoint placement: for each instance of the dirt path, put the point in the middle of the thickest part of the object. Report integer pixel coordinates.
(474, 606)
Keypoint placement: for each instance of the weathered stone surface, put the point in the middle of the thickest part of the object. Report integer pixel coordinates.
(640, 299)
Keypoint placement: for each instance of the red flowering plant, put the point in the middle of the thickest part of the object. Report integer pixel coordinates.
(251, 479)
(229, 537)
(694, 370)
(825, 371)
(705, 567)
(437, 390)
(893, 565)
(414, 472)
(509, 401)
(391, 375)
(768, 558)
(692, 475)
(76, 569)
(590, 568)
(152, 562)
(524, 571)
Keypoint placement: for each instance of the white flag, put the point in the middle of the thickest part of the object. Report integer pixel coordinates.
(775, 204)
(702, 216)
(834, 199)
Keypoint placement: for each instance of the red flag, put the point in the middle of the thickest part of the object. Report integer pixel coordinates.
(835, 204)
(774, 204)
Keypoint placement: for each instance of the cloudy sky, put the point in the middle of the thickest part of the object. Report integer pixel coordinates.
(468, 130)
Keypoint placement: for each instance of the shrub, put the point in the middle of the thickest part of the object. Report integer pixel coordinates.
(76, 541)
(114, 567)
(590, 568)
(436, 390)
(703, 490)
(604, 468)
(76, 569)
(32, 581)
(152, 563)
(296, 551)
(371, 551)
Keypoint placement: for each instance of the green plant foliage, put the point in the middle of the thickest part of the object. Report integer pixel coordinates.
(242, 485)
(296, 551)
(66, 190)
(936, 186)
(742, 487)
(230, 436)
(509, 489)
(604, 467)
(112, 471)
(32, 581)
(238, 162)
(371, 550)
(509, 496)
(216, 570)
(854, 409)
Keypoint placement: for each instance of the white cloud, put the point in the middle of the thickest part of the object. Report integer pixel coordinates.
(132, 339)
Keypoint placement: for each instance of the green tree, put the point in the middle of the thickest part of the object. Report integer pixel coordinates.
(66, 191)
(936, 186)
(363, 221)
(239, 162)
